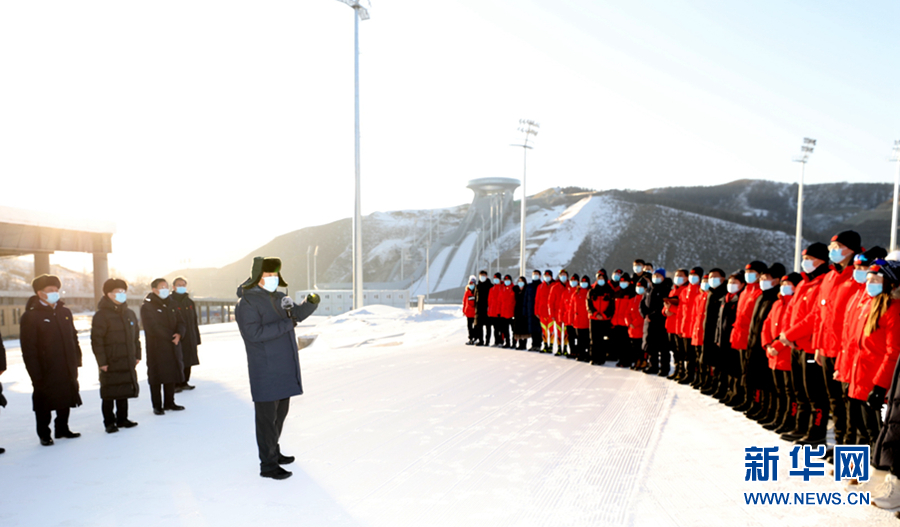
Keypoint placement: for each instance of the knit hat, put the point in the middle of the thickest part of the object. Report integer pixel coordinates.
(472, 279)
(776, 270)
(625, 277)
(757, 266)
(697, 271)
(40, 282)
(817, 250)
(112, 284)
(793, 278)
(889, 269)
(849, 239)
(262, 265)
(866, 258)
(661, 272)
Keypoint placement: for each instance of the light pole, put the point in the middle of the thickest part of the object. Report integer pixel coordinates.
(805, 150)
(895, 156)
(316, 267)
(360, 12)
(309, 251)
(529, 128)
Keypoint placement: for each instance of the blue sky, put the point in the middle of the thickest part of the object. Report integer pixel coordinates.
(236, 118)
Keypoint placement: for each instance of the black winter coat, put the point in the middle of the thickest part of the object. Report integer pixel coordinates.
(521, 328)
(2, 368)
(191, 339)
(757, 373)
(655, 335)
(52, 355)
(161, 321)
(116, 342)
(273, 359)
(481, 301)
(534, 323)
(729, 358)
(710, 353)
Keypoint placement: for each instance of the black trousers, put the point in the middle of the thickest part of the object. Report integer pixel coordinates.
(537, 335)
(119, 416)
(270, 418)
(486, 330)
(61, 424)
(817, 394)
(582, 349)
(866, 422)
(169, 391)
(835, 400)
(676, 344)
(636, 353)
(501, 330)
(598, 330)
(470, 326)
(187, 374)
(798, 358)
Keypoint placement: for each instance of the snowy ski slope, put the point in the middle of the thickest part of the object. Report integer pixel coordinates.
(403, 425)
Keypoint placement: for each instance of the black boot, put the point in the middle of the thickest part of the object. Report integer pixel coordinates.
(788, 420)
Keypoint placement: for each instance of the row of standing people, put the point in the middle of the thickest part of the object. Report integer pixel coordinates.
(52, 353)
(790, 350)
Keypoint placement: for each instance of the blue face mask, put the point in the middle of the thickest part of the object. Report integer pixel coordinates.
(52, 298)
(657, 280)
(547, 278)
(808, 266)
(520, 284)
(573, 283)
(163, 293)
(471, 286)
(584, 285)
(496, 281)
(563, 278)
(694, 279)
(623, 285)
(715, 282)
(679, 280)
(860, 275)
(121, 298)
(181, 290)
(787, 290)
(601, 281)
(270, 283)
(535, 278)
(639, 290)
(616, 276)
(507, 282)
(874, 289)
(836, 255)
(751, 278)
(704, 286)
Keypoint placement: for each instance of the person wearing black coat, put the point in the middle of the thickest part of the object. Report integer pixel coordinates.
(163, 331)
(534, 322)
(116, 342)
(2, 369)
(656, 337)
(482, 320)
(185, 307)
(757, 377)
(52, 357)
(710, 354)
(521, 330)
(730, 358)
(601, 306)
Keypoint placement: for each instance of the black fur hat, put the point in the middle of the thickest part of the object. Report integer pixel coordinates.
(262, 265)
(40, 282)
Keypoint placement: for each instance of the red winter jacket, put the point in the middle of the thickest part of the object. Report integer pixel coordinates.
(634, 318)
(541, 301)
(673, 308)
(848, 349)
(698, 313)
(468, 306)
(772, 327)
(494, 300)
(507, 301)
(803, 318)
(620, 317)
(553, 300)
(579, 308)
(686, 314)
(565, 308)
(877, 358)
(740, 332)
(836, 290)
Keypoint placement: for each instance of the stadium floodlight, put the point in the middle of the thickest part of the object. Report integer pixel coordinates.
(529, 128)
(805, 151)
(361, 12)
(895, 157)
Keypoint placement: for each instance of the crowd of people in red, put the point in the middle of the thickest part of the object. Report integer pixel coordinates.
(792, 351)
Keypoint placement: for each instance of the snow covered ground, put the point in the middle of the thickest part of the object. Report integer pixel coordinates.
(402, 425)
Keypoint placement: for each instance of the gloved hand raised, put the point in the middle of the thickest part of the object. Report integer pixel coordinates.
(299, 312)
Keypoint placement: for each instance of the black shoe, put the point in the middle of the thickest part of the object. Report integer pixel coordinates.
(793, 435)
(46, 441)
(651, 370)
(663, 373)
(786, 427)
(179, 388)
(158, 411)
(278, 473)
(127, 424)
(2, 450)
(173, 407)
(534, 348)
(68, 434)
(811, 441)
(112, 429)
(479, 343)
(187, 386)
(470, 342)
(285, 460)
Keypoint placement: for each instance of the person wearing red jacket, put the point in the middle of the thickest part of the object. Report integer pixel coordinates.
(565, 314)
(779, 357)
(619, 321)
(672, 311)
(741, 331)
(806, 375)
(686, 302)
(698, 314)
(494, 308)
(468, 309)
(856, 430)
(542, 310)
(635, 322)
(580, 318)
(834, 293)
(601, 307)
(507, 310)
(553, 306)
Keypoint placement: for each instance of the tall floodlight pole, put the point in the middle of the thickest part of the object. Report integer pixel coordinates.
(895, 157)
(360, 12)
(805, 151)
(309, 250)
(528, 128)
(316, 267)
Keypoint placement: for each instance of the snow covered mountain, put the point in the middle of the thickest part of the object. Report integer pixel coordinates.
(582, 230)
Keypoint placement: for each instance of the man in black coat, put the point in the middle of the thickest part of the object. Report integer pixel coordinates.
(116, 342)
(163, 328)
(709, 354)
(482, 320)
(52, 357)
(266, 320)
(185, 307)
(757, 377)
(2, 369)
(534, 322)
(656, 338)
